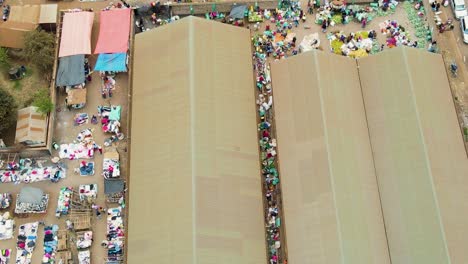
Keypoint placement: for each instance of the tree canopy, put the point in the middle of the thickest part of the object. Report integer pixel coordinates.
(4, 59)
(39, 48)
(43, 102)
(7, 110)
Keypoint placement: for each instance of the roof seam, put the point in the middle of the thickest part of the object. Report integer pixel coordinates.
(332, 181)
(373, 160)
(191, 64)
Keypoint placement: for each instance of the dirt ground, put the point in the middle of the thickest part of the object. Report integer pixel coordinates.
(65, 132)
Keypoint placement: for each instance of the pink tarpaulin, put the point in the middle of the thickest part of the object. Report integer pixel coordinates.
(76, 33)
(114, 31)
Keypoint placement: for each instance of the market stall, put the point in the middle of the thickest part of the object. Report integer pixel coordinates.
(114, 190)
(7, 226)
(84, 239)
(64, 199)
(86, 168)
(115, 234)
(27, 236)
(81, 220)
(31, 200)
(84, 257)
(50, 244)
(75, 35)
(64, 257)
(397, 35)
(114, 31)
(111, 165)
(110, 118)
(5, 255)
(354, 45)
(83, 148)
(114, 62)
(76, 97)
(29, 175)
(81, 119)
(71, 71)
(5, 200)
(62, 240)
(88, 192)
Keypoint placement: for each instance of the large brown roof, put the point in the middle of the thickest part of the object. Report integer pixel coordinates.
(194, 171)
(419, 155)
(329, 183)
(330, 194)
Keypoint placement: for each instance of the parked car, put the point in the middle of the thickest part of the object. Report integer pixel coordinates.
(459, 8)
(464, 28)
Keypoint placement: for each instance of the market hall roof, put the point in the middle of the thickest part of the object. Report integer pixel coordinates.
(330, 195)
(417, 149)
(194, 168)
(420, 159)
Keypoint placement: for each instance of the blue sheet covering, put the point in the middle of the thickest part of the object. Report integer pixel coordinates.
(116, 62)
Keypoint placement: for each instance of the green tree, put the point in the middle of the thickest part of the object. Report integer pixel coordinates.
(39, 48)
(4, 59)
(7, 110)
(43, 102)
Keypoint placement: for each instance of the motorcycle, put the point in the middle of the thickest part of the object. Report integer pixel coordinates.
(453, 69)
(6, 12)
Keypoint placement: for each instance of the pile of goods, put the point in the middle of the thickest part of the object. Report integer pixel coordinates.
(64, 199)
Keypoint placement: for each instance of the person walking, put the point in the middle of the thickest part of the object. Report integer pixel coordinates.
(310, 8)
(324, 26)
(364, 22)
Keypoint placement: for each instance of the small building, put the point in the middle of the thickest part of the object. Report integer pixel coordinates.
(24, 19)
(48, 17)
(31, 127)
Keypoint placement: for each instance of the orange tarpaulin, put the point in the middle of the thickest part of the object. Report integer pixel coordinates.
(76, 33)
(114, 31)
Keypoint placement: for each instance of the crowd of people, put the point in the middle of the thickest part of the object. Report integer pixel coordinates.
(277, 42)
(272, 44)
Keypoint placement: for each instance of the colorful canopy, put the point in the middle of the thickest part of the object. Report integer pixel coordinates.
(76, 33)
(111, 62)
(114, 31)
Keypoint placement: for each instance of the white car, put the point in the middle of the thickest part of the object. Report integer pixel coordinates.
(464, 28)
(459, 8)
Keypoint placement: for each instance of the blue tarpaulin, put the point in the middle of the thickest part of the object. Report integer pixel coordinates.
(111, 62)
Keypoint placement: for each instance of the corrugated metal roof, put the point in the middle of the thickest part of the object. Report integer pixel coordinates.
(31, 126)
(330, 194)
(326, 163)
(419, 155)
(195, 187)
